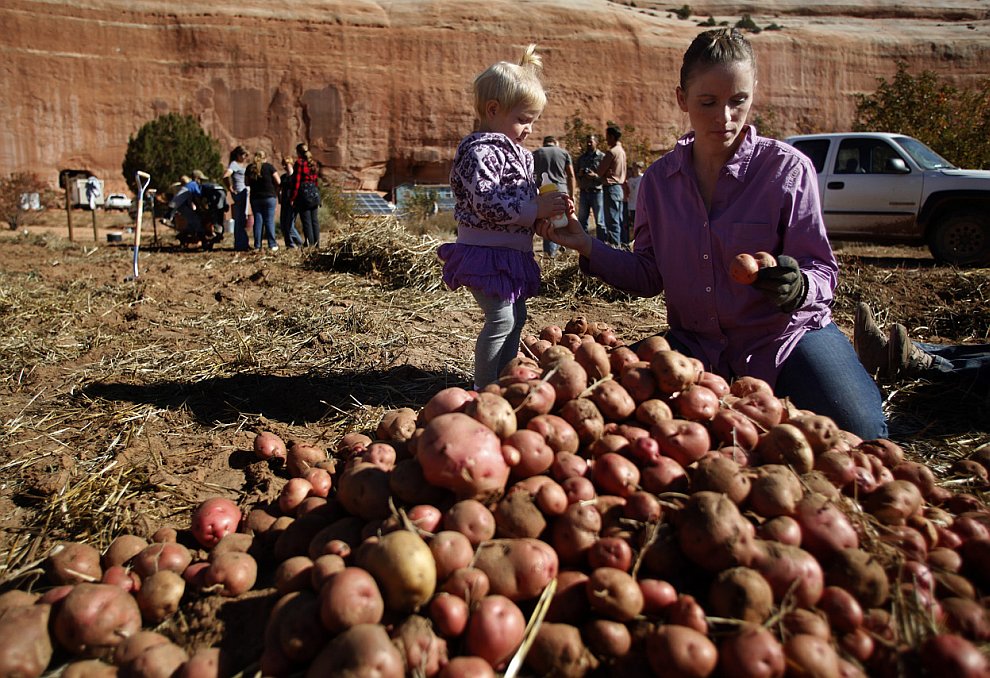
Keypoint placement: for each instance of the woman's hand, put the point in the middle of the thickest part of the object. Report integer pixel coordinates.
(571, 236)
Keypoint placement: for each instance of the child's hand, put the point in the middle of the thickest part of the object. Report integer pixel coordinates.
(550, 204)
(571, 236)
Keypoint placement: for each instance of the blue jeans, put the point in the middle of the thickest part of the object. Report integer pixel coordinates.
(588, 201)
(264, 221)
(498, 342)
(824, 375)
(240, 221)
(311, 226)
(287, 220)
(967, 365)
(611, 234)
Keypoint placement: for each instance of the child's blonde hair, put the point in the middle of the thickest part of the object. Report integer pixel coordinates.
(511, 84)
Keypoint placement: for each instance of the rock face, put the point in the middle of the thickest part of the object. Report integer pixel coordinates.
(381, 90)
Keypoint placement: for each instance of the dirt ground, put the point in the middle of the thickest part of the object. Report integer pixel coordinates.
(127, 401)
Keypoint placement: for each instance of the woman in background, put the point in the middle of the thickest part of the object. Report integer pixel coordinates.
(262, 181)
(305, 184)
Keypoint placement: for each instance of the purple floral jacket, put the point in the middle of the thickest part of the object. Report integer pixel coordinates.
(494, 192)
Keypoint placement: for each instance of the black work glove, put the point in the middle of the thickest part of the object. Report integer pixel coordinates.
(784, 283)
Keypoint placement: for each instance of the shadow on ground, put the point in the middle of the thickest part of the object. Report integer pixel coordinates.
(299, 399)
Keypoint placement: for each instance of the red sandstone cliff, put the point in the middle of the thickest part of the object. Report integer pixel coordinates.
(381, 89)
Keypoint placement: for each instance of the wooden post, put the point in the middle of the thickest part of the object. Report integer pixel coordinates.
(68, 208)
(96, 238)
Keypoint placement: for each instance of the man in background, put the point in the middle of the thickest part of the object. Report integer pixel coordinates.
(612, 174)
(587, 180)
(555, 162)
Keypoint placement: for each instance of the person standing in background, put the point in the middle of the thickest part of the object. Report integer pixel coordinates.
(233, 180)
(287, 216)
(554, 162)
(632, 192)
(305, 184)
(262, 180)
(611, 173)
(587, 179)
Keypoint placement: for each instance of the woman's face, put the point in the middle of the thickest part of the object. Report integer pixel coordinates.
(717, 100)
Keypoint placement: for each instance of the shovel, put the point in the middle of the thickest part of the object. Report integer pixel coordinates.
(143, 179)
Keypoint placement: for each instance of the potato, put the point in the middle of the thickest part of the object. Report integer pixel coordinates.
(397, 425)
(94, 668)
(362, 489)
(268, 445)
(825, 528)
(122, 549)
(159, 596)
(674, 371)
(231, 574)
(775, 491)
(968, 618)
(952, 655)
(444, 401)
(472, 519)
(614, 594)
(359, 651)
(294, 574)
(557, 432)
(586, 419)
(422, 649)
(743, 269)
(462, 455)
(568, 378)
(640, 383)
(809, 655)
(558, 650)
(893, 502)
(613, 473)
(790, 570)
(684, 441)
(404, 568)
(762, 408)
(323, 568)
(734, 428)
(861, 574)
(535, 454)
(449, 614)
(611, 552)
(300, 457)
(613, 401)
(517, 515)
(594, 358)
(518, 569)
(95, 617)
(495, 629)
(468, 583)
(741, 593)
(25, 646)
(73, 562)
(214, 518)
(573, 533)
(158, 661)
(843, 611)
(686, 611)
(674, 650)
(716, 473)
(712, 533)
(348, 598)
(696, 403)
(665, 475)
(209, 662)
(752, 652)
(493, 411)
(529, 399)
(787, 445)
(820, 431)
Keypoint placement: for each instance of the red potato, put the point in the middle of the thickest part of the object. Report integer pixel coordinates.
(300, 457)
(752, 652)
(775, 491)
(613, 552)
(209, 662)
(559, 650)
(162, 556)
(684, 441)
(494, 630)
(787, 445)
(556, 431)
(696, 403)
(348, 598)
(451, 551)
(642, 507)
(893, 502)
(783, 529)
(449, 614)
(425, 517)
(613, 593)
(578, 489)
(820, 431)
(472, 519)
(467, 583)
(95, 617)
(122, 549)
(594, 358)
(734, 428)
(214, 518)
(811, 656)
(118, 575)
(445, 401)
(25, 644)
(614, 474)
(613, 401)
(658, 595)
(231, 574)
(762, 408)
(716, 473)
(424, 652)
(462, 455)
(323, 568)
(674, 371)
(743, 269)
(358, 651)
(680, 651)
(493, 411)
(73, 562)
(159, 661)
(567, 465)
(529, 399)
(715, 383)
(638, 380)
(396, 425)
(825, 528)
(292, 495)
(294, 627)
(790, 571)
(645, 451)
(320, 481)
(268, 445)
(861, 574)
(666, 475)
(518, 569)
(94, 668)
(609, 442)
(293, 574)
(573, 533)
(535, 455)
(352, 443)
(713, 533)
(362, 489)
(516, 515)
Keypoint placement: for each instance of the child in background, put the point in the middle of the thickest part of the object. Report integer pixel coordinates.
(632, 183)
(497, 206)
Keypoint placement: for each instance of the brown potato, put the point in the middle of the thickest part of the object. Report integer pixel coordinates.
(518, 569)
(73, 562)
(678, 650)
(613, 401)
(741, 593)
(404, 568)
(25, 646)
(356, 649)
(122, 549)
(159, 595)
(614, 594)
(362, 489)
(231, 574)
(95, 617)
(349, 598)
(559, 650)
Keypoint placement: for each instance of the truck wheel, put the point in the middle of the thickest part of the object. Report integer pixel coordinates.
(961, 238)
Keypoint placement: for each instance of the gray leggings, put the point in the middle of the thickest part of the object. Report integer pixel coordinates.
(498, 342)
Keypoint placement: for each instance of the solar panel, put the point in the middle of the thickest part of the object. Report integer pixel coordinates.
(368, 203)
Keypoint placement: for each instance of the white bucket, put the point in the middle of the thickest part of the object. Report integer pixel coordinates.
(230, 226)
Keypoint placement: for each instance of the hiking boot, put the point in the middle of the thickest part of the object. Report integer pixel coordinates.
(869, 342)
(906, 360)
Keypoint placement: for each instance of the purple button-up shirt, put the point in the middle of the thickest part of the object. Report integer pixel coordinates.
(765, 199)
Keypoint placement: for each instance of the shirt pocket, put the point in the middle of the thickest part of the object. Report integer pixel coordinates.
(749, 237)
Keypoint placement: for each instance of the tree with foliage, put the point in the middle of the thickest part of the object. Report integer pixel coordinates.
(953, 121)
(576, 131)
(168, 147)
(13, 188)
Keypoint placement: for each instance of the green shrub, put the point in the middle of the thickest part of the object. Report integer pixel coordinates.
(710, 21)
(746, 23)
(684, 12)
(168, 147)
(953, 121)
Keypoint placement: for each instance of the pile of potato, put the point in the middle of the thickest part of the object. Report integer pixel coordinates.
(666, 522)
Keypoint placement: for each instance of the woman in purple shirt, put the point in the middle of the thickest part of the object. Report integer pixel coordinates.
(722, 191)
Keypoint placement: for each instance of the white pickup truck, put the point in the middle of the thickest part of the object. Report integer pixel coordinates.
(882, 187)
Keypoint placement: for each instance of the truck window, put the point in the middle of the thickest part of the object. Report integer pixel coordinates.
(864, 156)
(816, 150)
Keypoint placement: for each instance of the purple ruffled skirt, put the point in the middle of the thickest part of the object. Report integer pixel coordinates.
(496, 271)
